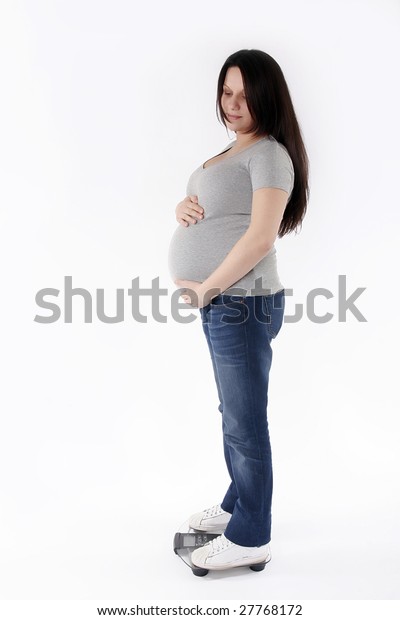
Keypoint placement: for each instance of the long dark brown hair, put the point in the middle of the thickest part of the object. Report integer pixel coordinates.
(270, 105)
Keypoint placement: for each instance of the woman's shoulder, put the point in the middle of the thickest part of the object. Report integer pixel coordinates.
(271, 166)
(271, 145)
(271, 150)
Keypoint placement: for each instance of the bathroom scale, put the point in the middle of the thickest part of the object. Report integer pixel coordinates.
(187, 540)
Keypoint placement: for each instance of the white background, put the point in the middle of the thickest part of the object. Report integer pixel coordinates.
(110, 433)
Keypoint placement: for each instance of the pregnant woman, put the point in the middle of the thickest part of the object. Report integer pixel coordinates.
(222, 256)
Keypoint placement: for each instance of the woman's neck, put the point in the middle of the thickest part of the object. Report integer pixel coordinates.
(245, 140)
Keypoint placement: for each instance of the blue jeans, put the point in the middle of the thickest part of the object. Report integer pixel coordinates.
(239, 331)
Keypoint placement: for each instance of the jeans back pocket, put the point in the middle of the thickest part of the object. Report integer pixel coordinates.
(274, 308)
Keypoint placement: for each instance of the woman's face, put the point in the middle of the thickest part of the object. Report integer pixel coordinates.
(233, 102)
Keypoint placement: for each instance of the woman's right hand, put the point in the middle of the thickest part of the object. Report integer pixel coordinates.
(188, 210)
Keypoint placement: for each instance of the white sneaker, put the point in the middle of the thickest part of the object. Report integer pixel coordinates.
(213, 519)
(221, 553)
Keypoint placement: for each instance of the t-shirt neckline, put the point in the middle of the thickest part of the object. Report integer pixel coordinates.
(234, 155)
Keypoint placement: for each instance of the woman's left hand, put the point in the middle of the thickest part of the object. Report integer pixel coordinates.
(192, 293)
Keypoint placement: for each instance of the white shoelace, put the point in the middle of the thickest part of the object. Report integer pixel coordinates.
(220, 543)
(213, 511)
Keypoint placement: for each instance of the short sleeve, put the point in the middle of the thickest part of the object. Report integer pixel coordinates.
(271, 166)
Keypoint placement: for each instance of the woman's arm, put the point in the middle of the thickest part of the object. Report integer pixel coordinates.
(268, 207)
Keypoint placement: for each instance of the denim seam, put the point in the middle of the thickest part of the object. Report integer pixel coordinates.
(267, 308)
(246, 324)
(218, 382)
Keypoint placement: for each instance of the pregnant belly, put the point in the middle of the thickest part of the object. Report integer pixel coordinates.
(197, 250)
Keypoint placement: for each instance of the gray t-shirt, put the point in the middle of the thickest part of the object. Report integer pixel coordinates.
(224, 190)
